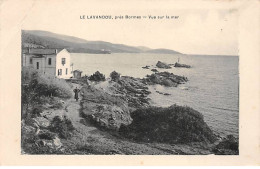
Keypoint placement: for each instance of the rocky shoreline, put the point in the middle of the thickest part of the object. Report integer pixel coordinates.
(131, 98)
(117, 110)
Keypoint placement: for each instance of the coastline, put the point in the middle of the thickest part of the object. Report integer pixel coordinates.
(97, 120)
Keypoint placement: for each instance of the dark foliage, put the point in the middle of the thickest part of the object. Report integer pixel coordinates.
(175, 124)
(62, 126)
(97, 76)
(115, 76)
(227, 146)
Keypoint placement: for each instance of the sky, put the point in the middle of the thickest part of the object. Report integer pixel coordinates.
(200, 29)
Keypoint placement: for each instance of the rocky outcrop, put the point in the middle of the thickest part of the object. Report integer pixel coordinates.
(36, 140)
(146, 67)
(166, 94)
(135, 91)
(162, 65)
(111, 106)
(175, 124)
(181, 65)
(228, 146)
(165, 79)
(49, 139)
(106, 116)
(154, 70)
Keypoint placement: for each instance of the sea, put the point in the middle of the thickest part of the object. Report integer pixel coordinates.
(212, 87)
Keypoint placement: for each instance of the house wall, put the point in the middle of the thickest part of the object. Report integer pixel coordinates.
(41, 64)
(63, 54)
(26, 60)
(50, 68)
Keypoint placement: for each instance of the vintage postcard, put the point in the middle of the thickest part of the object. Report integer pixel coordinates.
(127, 79)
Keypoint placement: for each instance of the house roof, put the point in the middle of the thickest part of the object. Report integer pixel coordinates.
(37, 56)
(40, 51)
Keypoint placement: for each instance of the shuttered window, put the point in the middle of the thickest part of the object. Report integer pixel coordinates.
(63, 61)
(59, 72)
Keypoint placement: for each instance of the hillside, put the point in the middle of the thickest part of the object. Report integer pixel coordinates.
(44, 39)
(162, 51)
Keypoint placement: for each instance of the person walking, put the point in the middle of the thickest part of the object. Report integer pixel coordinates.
(76, 91)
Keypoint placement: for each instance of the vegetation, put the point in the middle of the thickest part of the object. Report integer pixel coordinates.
(38, 89)
(228, 146)
(175, 124)
(115, 76)
(62, 126)
(97, 76)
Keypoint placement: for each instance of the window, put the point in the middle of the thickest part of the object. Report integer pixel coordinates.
(49, 61)
(66, 71)
(37, 65)
(30, 60)
(59, 72)
(63, 61)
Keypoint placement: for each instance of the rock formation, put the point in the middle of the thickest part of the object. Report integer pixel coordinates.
(165, 79)
(162, 65)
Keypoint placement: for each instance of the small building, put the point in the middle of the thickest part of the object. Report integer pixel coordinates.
(77, 74)
(54, 62)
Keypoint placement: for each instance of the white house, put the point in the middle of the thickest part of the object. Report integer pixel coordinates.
(54, 62)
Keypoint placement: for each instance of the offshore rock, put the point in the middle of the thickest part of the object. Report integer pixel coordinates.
(165, 79)
(181, 65)
(146, 67)
(154, 70)
(162, 65)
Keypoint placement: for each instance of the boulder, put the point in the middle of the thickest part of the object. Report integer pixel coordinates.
(43, 122)
(162, 65)
(166, 79)
(181, 65)
(154, 70)
(52, 145)
(146, 67)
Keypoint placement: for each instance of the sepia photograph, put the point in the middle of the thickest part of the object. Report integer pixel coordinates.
(133, 83)
(141, 94)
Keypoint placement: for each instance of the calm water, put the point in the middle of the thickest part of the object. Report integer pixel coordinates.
(212, 88)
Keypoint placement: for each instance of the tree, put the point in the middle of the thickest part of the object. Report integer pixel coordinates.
(115, 76)
(97, 76)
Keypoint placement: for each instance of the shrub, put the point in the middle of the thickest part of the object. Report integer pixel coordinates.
(37, 89)
(97, 76)
(175, 124)
(115, 76)
(228, 146)
(36, 111)
(38, 84)
(62, 126)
